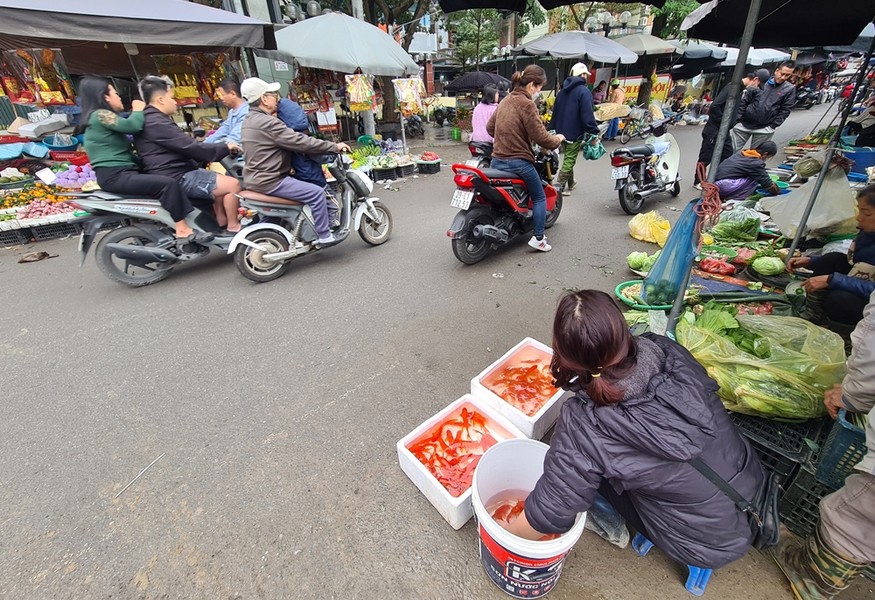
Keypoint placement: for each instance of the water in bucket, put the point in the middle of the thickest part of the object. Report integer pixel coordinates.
(521, 568)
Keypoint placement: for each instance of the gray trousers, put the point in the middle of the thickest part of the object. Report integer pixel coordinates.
(740, 135)
(309, 194)
(847, 519)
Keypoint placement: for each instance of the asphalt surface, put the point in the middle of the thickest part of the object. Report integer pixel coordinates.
(275, 410)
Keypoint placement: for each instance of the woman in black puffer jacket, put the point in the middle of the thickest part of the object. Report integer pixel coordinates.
(644, 408)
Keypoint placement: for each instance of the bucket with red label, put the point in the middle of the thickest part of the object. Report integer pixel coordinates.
(521, 568)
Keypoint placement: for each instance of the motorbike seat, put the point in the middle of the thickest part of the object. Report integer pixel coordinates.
(264, 198)
(645, 150)
(497, 174)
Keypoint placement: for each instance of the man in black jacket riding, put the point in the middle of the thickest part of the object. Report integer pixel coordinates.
(164, 149)
(764, 110)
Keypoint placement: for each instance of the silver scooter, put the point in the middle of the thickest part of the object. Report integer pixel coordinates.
(284, 229)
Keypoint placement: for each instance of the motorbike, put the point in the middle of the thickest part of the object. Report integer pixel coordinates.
(495, 206)
(444, 113)
(284, 229)
(413, 126)
(641, 171)
(481, 155)
(805, 98)
(144, 249)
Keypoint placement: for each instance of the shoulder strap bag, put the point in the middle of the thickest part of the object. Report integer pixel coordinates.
(761, 511)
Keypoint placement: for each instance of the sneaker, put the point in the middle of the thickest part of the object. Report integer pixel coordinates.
(566, 191)
(698, 186)
(324, 241)
(541, 244)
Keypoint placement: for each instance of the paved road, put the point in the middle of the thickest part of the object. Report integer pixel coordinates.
(276, 408)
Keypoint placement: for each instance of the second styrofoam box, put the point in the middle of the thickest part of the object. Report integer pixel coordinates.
(457, 511)
(537, 425)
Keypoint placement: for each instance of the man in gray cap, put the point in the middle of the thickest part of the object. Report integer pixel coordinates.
(762, 110)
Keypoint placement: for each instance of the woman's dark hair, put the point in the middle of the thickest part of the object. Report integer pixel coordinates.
(231, 85)
(601, 83)
(489, 92)
(92, 96)
(591, 341)
(531, 74)
(154, 85)
(867, 195)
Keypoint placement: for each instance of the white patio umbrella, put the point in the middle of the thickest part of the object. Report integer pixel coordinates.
(700, 50)
(756, 57)
(580, 45)
(644, 44)
(338, 42)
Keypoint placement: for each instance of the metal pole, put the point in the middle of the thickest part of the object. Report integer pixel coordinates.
(830, 151)
(358, 11)
(728, 112)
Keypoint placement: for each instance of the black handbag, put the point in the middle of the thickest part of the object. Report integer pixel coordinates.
(761, 511)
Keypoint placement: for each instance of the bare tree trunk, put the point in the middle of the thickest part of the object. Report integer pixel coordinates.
(646, 89)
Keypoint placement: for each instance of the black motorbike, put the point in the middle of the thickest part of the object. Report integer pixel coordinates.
(805, 98)
(413, 126)
(444, 113)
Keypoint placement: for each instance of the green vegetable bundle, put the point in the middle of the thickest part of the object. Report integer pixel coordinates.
(737, 225)
(769, 366)
(641, 261)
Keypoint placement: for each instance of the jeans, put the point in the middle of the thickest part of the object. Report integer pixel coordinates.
(613, 129)
(534, 184)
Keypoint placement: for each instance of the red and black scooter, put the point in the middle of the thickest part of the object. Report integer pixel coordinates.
(495, 207)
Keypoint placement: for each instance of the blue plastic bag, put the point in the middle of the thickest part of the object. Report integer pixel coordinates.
(665, 278)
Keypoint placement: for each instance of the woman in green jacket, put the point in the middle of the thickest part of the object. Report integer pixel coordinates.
(110, 153)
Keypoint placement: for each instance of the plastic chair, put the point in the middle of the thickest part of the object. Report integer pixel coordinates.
(698, 578)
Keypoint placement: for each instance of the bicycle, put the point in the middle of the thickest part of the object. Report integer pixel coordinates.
(635, 124)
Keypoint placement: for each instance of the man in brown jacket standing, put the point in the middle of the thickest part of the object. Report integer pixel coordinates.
(267, 144)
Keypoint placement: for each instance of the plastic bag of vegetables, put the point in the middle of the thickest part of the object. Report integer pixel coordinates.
(650, 227)
(668, 273)
(799, 362)
(737, 225)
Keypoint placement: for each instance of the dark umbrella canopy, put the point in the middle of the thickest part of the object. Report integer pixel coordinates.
(474, 81)
(782, 23)
(519, 6)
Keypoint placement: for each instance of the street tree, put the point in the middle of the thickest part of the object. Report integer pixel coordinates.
(475, 34)
(667, 25)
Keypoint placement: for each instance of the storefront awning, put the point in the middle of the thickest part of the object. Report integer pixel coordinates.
(160, 22)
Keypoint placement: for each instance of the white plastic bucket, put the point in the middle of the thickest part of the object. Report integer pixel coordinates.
(521, 568)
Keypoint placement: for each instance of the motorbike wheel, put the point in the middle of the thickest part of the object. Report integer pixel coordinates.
(675, 189)
(628, 203)
(249, 260)
(122, 271)
(472, 252)
(553, 215)
(374, 233)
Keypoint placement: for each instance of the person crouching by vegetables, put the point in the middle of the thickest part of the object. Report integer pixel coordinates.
(843, 543)
(842, 283)
(743, 172)
(109, 151)
(643, 408)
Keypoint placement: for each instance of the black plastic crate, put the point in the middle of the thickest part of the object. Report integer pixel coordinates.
(428, 168)
(799, 441)
(406, 170)
(800, 504)
(14, 237)
(384, 174)
(54, 231)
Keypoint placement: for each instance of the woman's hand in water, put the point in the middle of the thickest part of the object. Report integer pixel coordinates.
(519, 526)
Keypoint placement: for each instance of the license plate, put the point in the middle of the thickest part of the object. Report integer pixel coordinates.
(620, 172)
(462, 199)
(472, 162)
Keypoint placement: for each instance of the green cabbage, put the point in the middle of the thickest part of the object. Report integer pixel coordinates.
(768, 265)
(641, 261)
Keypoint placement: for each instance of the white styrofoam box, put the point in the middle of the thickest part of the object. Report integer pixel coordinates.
(38, 130)
(456, 511)
(534, 427)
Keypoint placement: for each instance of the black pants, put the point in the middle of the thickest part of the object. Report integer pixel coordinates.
(128, 180)
(839, 305)
(709, 138)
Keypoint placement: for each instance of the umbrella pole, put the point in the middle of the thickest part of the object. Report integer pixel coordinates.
(830, 151)
(403, 134)
(722, 133)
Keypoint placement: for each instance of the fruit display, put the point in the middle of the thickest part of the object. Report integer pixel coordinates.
(13, 175)
(74, 177)
(524, 380)
(428, 156)
(452, 449)
(43, 208)
(30, 193)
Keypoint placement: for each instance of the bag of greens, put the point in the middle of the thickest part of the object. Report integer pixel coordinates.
(737, 225)
(768, 366)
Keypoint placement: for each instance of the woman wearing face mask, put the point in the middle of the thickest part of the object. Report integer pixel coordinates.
(515, 126)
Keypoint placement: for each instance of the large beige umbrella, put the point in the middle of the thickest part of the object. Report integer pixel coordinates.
(644, 44)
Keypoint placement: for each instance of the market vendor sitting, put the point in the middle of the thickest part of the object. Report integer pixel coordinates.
(165, 149)
(643, 409)
(745, 171)
(842, 283)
